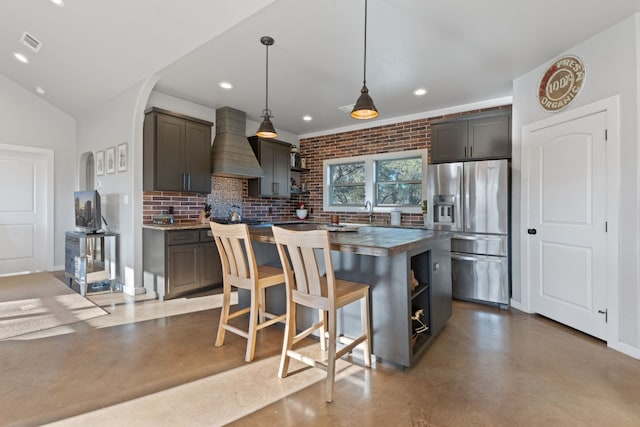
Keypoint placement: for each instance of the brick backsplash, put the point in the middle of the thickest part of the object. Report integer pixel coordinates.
(226, 192)
(186, 206)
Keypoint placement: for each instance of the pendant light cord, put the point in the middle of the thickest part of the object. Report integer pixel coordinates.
(266, 101)
(364, 79)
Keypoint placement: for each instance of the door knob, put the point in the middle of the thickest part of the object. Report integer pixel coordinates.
(532, 231)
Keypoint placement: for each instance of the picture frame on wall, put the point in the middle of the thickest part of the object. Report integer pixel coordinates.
(100, 162)
(122, 157)
(111, 160)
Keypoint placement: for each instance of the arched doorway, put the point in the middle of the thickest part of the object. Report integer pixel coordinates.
(86, 171)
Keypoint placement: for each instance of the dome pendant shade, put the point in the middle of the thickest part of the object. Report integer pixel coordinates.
(364, 108)
(266, 129)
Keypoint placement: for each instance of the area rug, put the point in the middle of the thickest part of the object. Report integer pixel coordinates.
(34, 302)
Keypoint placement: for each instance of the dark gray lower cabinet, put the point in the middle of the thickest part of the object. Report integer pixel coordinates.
(176, 262)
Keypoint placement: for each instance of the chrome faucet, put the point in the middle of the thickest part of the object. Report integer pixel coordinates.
(369, 208)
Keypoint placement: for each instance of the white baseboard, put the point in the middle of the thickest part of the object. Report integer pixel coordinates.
(133, 291)
(519, 306)
(624, 348)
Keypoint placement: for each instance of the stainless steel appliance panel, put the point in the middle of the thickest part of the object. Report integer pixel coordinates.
(482, 244)
(444, 190)
(479, 277)
(486, 197)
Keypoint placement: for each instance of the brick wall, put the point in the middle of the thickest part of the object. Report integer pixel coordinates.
(186, 206)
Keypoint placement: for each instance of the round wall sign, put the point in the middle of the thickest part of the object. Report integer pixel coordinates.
(561, 83)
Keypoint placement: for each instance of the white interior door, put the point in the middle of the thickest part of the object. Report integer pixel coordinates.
(567, 209)
(23, 211)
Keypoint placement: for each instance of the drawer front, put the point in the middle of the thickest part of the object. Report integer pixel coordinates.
(182, 237)
(479, 277)
(485, 244)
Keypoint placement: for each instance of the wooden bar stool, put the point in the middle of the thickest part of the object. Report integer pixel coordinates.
(306, 286)
(239, 269)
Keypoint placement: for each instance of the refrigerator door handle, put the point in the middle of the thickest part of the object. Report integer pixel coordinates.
(464, 257)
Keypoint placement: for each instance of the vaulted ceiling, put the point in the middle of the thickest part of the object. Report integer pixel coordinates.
(461, 51)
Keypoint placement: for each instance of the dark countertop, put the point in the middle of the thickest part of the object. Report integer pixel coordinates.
(179, 226)
(204, 225)
(367, 240)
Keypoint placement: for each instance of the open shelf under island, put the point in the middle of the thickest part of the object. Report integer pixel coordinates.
(387, 259)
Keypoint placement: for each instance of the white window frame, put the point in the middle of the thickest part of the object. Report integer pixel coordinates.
(369, 180)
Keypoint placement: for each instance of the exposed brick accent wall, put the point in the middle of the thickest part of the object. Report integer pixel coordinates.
(186, 206)
(412, 135)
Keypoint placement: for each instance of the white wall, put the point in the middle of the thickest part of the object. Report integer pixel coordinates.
(27, 119)
(108, 125)
(610, 62)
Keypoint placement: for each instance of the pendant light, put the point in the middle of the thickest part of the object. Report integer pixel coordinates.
(364, 108)
(266, 129)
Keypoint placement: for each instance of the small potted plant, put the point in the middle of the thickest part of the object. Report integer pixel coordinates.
(425, 209)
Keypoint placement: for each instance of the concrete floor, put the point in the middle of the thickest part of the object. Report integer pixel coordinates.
(154, 364)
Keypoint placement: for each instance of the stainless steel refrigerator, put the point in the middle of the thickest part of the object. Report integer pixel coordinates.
(471, 199)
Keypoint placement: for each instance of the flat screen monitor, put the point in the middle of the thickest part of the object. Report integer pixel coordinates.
(87, 209)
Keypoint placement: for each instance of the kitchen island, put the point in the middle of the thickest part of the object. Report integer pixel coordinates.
(387, 259)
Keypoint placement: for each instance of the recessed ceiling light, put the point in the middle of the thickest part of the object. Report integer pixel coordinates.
(225, 85)
(58, 2)
(40, 90)
(420, 92)
(307, 118)
(20, 57)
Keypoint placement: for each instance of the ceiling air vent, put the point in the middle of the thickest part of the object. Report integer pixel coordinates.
(30, 41)
(346, 108)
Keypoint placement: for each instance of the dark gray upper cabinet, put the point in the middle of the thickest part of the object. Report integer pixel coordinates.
(275, 161)
(471, 138)
(177, 152)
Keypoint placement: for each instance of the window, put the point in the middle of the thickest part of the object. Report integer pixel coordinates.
(399, 182)
(388, 181)
(347, 184)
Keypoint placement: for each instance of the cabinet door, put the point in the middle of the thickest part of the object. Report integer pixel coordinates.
(169, 150)
(274, 159)
(198, 157)
(267, 162)
(182, 268)
(489, 137)
(211, 267)
(449, 141)
(282, 170)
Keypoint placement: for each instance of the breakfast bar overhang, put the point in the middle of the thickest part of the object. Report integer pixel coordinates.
(387, 258)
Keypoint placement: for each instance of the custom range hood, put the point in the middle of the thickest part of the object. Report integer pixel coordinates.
(231, 154)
